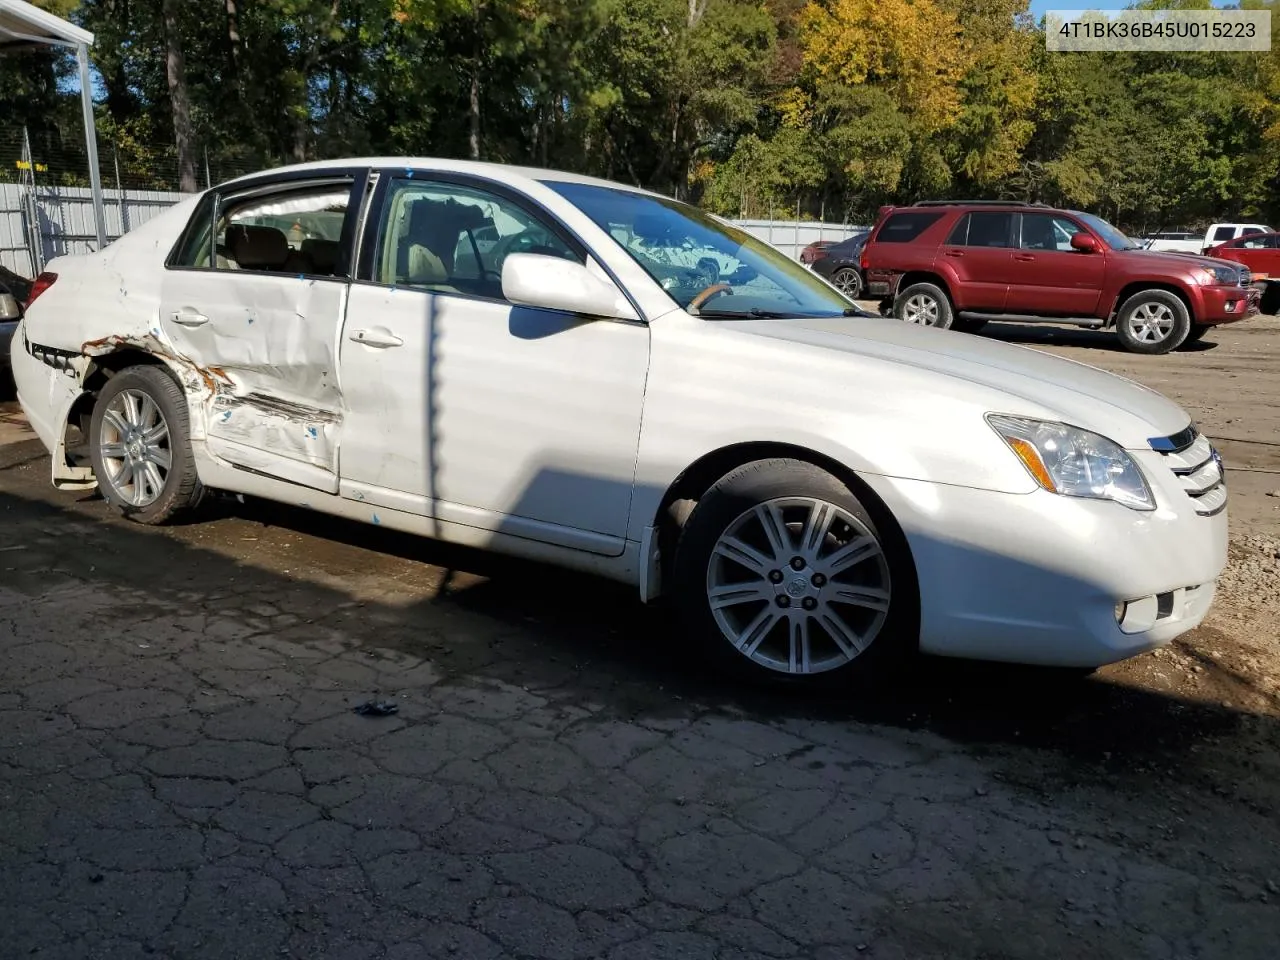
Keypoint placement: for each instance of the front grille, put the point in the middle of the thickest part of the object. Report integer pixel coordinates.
(1191, 457)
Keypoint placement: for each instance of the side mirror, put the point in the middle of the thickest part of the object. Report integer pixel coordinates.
(10, 308)
(1084, 243)
(536, 280)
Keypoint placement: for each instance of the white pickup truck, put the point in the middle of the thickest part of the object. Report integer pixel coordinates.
(1183, 242)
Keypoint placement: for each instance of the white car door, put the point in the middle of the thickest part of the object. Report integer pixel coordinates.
(255, 297)
(466, 408)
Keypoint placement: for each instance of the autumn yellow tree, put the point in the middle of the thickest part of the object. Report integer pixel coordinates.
(911, 49)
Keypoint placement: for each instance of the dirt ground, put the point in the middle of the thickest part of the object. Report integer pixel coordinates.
(182, 776)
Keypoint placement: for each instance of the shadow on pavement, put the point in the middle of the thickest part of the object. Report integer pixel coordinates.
(587, 639)
(1069, 336)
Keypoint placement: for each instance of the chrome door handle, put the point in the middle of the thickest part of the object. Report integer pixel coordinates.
(376, 338)
(189, 317)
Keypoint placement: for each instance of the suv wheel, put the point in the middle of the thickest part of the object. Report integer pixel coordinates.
(848, 281)
(1153, 321)
(925, 304)
(781, 573)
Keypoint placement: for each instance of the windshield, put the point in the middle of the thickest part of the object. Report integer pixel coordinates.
(704, 265)
(1110, 235)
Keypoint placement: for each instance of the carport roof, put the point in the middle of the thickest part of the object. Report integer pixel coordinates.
(23, 25)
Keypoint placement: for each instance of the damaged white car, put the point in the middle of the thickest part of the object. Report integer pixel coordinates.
(594, 376)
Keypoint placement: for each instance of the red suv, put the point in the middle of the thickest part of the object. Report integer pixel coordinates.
(959, 264)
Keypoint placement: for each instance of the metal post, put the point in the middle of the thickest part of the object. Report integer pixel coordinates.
(207, 183)
(121, 200)
(91, 144)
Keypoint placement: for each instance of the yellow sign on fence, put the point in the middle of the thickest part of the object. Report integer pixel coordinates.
(26, 165)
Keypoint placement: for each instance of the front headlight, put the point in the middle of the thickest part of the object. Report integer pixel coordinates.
(1074, 462)
(1223, 274)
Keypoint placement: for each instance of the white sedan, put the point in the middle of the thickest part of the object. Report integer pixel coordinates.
(602, 378)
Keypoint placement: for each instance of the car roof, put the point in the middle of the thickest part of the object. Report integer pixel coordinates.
(509, 173)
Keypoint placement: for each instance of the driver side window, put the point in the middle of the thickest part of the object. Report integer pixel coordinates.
(449, 238)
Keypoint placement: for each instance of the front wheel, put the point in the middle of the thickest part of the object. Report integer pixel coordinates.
(781, 573)
(139, 441)
(1152, 322)
(924, 304)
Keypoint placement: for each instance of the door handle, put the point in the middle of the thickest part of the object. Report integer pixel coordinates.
(953, 253)
(376, 338)
(189, 317)
(1023, 257)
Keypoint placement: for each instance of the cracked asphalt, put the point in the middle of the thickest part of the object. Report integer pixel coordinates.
(182, 774)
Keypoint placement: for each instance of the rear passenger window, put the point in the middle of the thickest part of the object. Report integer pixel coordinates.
(990, 230)
(905, 227)
(297, 232)
(960, 232)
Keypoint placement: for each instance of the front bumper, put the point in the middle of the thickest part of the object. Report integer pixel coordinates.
(1044, 579)
(1219, 305)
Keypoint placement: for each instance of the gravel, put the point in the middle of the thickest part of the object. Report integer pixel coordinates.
(1252, 577)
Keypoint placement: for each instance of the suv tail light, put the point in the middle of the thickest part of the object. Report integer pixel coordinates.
(864, 261)
(42, 283)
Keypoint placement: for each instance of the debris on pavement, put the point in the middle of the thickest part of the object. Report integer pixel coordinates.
(376, 708)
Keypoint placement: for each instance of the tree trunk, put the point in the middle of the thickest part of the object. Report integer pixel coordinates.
(473, 110)
(233, 39)
(179, 101)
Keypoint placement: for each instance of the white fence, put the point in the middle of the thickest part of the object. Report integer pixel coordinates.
(792, 236)
(38, 225)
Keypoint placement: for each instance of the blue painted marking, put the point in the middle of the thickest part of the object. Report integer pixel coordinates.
(226, 416)
(376, 521)
(311, 432)
(408, 173)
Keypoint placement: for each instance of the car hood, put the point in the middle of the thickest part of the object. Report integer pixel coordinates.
(1031, 382)
(1172, 259)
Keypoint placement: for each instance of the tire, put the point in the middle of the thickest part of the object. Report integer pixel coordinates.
(848, 281)
(1197, 332)
(1153, 322)
(969, 324)
(789, 615)
(925, 304)
(128, 448)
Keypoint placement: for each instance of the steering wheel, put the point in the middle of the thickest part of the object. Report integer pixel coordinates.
(707, 293)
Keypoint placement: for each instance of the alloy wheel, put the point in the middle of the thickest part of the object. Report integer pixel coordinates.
(849, 282)
(135, 449)
(798, 585)
(1151, 322)
(921, 309)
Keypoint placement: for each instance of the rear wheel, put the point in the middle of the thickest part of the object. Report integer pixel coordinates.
(781, 573)
(924, 304)
(848, 281)
(1153, 321)
(139, 441)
